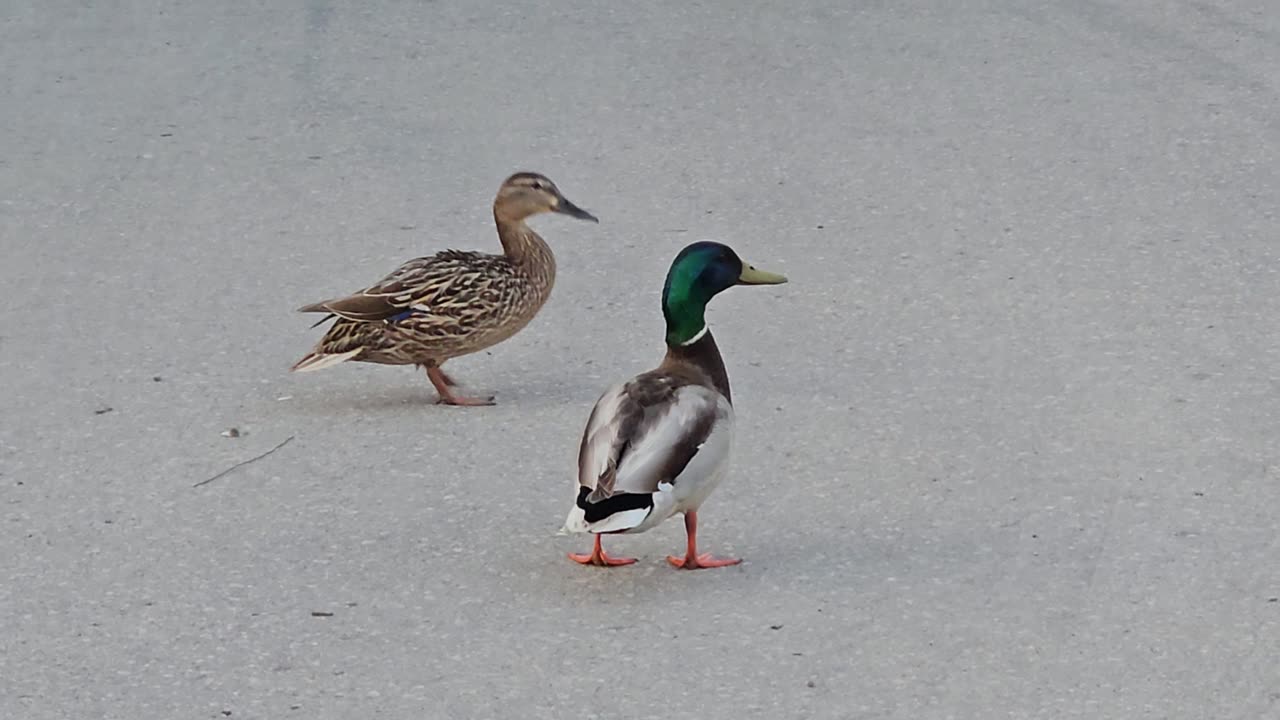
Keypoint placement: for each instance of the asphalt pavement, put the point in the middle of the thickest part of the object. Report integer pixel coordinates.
(1006, 443)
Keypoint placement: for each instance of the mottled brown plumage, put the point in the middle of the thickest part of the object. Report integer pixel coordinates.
(453, 303)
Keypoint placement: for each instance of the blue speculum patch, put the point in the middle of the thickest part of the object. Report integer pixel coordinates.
(399, 316)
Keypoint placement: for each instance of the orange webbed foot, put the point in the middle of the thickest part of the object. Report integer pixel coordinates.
(699, 562)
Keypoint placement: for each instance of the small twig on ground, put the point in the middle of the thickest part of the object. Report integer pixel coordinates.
(242, 463)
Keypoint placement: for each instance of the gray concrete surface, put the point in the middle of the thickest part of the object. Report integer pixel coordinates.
(1008, 440)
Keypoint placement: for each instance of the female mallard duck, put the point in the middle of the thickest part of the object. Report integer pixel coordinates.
(452, 303)
(659, 443)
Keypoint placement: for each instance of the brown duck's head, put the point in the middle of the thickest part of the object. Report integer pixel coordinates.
(526, 193)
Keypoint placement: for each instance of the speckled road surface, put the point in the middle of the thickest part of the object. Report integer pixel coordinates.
(1007, 442)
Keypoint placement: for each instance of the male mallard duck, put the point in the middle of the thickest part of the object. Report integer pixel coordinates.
(658, 444)
(452, 303)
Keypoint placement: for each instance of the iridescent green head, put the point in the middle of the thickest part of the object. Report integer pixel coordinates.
(700, 272)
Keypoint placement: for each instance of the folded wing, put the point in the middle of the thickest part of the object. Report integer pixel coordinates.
(449, 277)
(650, 432)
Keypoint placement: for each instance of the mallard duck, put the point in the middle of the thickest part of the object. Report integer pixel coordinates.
(659, 443)
(452, 303)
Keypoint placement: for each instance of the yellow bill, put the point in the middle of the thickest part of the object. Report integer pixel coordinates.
(752, 276)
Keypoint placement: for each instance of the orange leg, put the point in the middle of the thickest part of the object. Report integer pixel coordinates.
(692, 560)
(445, 385)
(597, 557)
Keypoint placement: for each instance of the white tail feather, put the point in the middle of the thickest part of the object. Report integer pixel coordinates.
(575, 523)
(322, 361)
(615, 523)
(620, 521)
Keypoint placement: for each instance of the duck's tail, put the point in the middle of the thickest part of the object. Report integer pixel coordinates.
(319, 360)
(618, 513)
